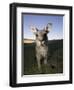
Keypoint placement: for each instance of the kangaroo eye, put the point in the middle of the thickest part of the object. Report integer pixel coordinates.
(36, 35)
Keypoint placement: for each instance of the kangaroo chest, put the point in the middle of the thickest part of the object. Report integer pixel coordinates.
(42, 50)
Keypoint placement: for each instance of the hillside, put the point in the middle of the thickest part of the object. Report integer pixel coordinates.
(28, 41)
(55, 58)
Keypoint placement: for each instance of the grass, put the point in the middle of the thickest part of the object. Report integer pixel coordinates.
(55, 58)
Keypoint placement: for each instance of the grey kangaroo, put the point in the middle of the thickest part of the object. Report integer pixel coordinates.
(41, 44)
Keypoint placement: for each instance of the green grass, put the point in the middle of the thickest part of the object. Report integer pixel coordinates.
(55, 59)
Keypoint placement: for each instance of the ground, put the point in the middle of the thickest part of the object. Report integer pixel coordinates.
(55, 58)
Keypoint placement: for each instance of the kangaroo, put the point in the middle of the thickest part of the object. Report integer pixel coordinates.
(41, 44)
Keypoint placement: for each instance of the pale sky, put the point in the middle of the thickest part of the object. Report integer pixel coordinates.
(40, 21)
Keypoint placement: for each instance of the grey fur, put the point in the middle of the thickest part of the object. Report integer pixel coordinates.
(41, 44)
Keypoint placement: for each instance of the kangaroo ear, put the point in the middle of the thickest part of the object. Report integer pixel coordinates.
(48, 28)
(34, 29)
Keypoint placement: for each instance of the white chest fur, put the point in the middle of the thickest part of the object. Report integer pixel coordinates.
(41, 49)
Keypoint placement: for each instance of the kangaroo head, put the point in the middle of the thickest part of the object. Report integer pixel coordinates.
(41, 35)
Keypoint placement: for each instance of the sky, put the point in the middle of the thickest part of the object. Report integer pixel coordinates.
(40, 21)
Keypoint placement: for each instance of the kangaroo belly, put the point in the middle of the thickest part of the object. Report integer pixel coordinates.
(42, 51)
